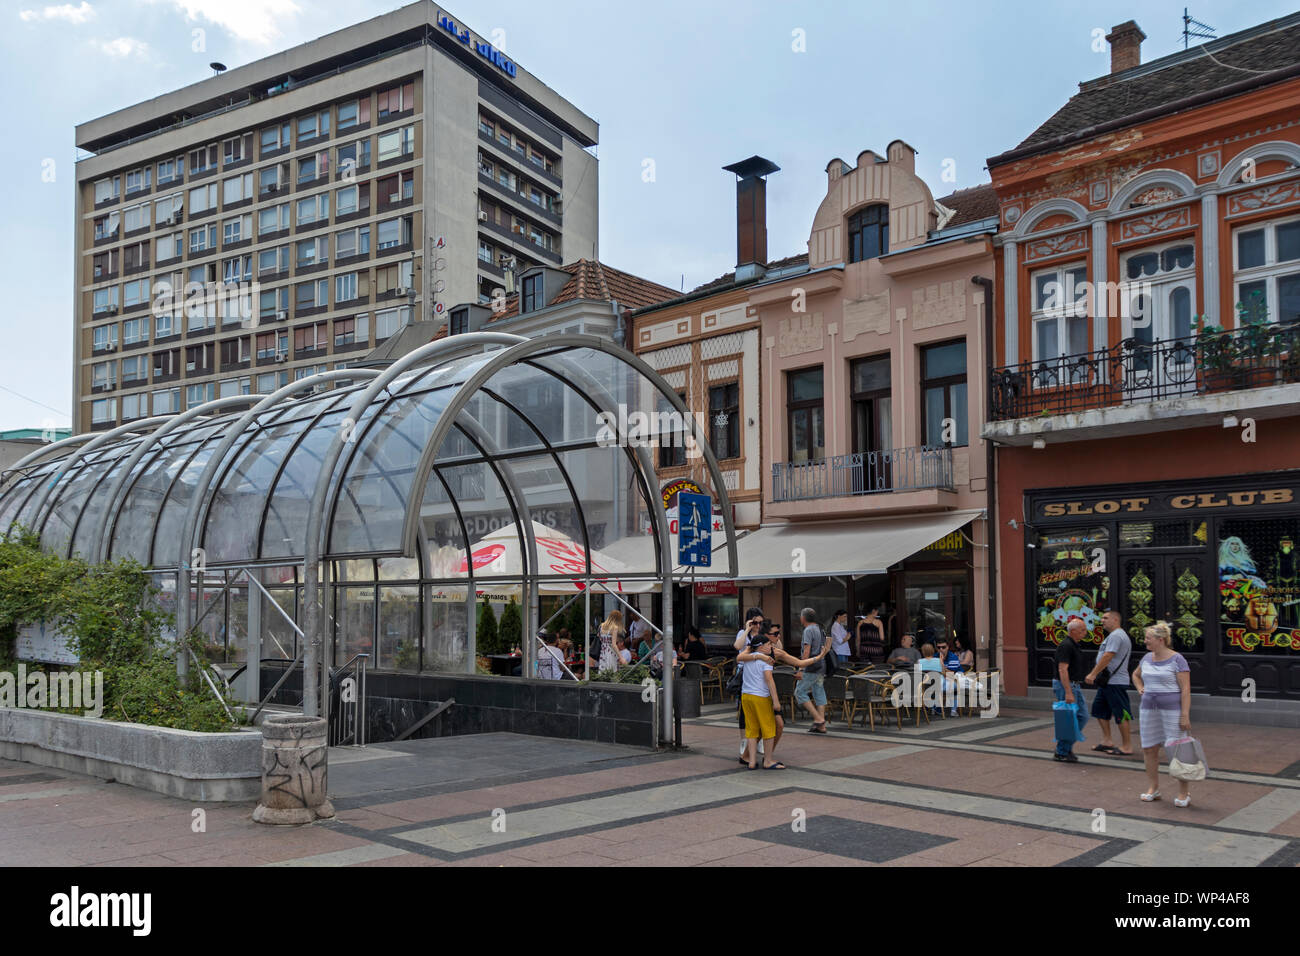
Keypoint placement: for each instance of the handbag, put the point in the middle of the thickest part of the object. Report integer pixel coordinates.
(1186, 758)
(1102, 679)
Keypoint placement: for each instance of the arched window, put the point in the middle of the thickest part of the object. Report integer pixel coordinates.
(869, 233)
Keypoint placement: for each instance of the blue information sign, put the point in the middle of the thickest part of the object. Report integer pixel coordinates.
(694, 530)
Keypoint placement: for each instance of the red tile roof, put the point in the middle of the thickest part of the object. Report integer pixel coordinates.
(971, 205)
(597, 281)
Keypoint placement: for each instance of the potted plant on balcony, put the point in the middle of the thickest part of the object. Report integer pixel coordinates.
(1216, 351)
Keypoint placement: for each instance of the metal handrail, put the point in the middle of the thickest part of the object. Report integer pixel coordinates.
(357, 664)
(864, 473)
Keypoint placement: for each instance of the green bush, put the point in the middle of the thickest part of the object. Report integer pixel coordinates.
(511, 627)
(486, 635)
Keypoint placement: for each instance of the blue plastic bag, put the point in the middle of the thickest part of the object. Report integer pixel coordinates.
(1068, 721)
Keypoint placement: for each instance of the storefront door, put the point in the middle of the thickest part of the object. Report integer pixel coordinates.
(1169, 588)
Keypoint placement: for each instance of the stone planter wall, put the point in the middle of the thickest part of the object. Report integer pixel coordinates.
(180, 763)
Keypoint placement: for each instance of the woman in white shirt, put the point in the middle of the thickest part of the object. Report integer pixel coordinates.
(1165, 682)
(840, 636)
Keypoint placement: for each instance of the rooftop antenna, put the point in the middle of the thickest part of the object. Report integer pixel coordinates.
(1195, 28)
(217, 68)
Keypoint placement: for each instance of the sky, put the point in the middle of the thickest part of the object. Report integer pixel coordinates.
(691, 86)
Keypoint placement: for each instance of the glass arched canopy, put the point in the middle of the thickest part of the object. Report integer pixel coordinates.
(542, 471)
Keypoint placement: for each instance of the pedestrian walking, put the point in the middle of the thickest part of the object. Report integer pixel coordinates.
(1110, 676)
(610, 632)
(809, 692)
(1065, 685)
(1165, 682)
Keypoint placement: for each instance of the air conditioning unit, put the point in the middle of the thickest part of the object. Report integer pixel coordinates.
(482, 216)
(274, 187)
(112, 310)
(402, 290)
(110, 348)
(281, 357)
(282, 315)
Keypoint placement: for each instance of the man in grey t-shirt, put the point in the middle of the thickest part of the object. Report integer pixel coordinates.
(809, 692)
(1111, 702)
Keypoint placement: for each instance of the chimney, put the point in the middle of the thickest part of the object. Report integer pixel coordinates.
(751, 215)
(1125, 46)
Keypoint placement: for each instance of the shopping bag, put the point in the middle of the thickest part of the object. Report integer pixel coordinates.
(1186, 758)
(1065, 716)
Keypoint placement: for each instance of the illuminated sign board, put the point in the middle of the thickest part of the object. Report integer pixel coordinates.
(482, 48)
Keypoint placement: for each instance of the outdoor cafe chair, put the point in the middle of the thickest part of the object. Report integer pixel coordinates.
(783, 677)
(694, 670)
(713, 677)
(837, 693)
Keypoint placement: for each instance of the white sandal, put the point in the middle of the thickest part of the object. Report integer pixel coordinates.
(1149, 797)
(1183, 801)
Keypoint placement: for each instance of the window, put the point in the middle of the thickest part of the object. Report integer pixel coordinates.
(237, 229)
(203, 238)
(232, 151)
(352, 242)
(394, 232)
(345, 287)
(106, 263)
(106, 226)
(237, 189)
(485, 251)
(168, 208)
(138, 180)
(135, 369)
(394, 278)
(135, 293)
(271, 344)
(135, 217)
(724, 420)
(1060, 311)
(271, 178)
(134, 406)
(397, 100)
(312, 252)
(672, 443)
(162, 325)
(1267, 271)
(235, 386)
(104, 337)
(238, 269)
(869, 233)
(396, 188)
(310, 295)
(272, 302)
(105, 300)
(196, 395)
(805, 415)
(106, 189)
(171, 246)
(310, 338)
(308, 371)
(103, 411)
(205, 272)
(485, 166)
(203, 199)
(944, 416)
(167, 401)
(268, 382)
(354, 113)
(485, 126)
(532, 299)
(272, 261)
(397, 143)
(313, 125)
(171, 170)
(135, 330)
(506, 178)
(503, 136)
(313, 167)
(354, 156)
(313, 209)
(274, 138)
(273, 219)
(103, 376)
(389, 321)
(200, 314)
(234, 351)
(135, 256)
(459, 321)
(354, 331)
(346, 199)
(198, 358)
(203, 159)
(872, 421)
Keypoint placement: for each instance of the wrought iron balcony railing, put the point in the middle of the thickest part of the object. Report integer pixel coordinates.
(864, 473)
(1253, 356)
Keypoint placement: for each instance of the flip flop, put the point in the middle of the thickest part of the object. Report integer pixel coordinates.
(814, 728)
(776, 766)
(1102, 748)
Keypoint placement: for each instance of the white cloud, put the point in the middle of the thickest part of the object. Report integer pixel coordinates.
(256, 21)
(64, 11)
(124, 47)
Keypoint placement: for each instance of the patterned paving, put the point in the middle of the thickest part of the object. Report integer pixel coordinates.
(966, 792)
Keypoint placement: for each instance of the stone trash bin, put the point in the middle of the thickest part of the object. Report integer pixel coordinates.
(294, 770)
(686, 696)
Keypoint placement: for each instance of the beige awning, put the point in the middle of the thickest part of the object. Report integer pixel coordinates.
(833, 548)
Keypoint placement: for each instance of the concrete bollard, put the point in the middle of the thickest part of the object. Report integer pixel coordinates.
(294, 771)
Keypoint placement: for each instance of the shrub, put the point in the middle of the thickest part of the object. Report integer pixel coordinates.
(511, 628)
(486, 634)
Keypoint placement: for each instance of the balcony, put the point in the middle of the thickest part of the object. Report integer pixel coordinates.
(864, 473)
(1138, 386)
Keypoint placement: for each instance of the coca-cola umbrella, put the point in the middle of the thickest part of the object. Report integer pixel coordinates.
(499, 555)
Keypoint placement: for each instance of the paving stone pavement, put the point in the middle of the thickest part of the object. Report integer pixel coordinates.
(963, 792)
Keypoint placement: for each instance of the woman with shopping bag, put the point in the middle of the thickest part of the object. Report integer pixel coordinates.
(1165, 682)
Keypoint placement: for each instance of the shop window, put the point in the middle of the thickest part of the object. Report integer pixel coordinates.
(1070, 580)
(937, 606)
(824, 597)
(1259, 586)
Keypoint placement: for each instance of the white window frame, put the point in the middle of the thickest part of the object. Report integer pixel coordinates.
(1071, 308)
(1270, 271)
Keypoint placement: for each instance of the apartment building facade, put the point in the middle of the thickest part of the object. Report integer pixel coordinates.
(288, 216)
(1146, 399)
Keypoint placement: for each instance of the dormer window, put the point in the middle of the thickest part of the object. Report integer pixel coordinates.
(869, 233)
(532, 298)
(459, 321)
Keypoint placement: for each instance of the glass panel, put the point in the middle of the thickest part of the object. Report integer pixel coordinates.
(1177, 257)
(1288, 295)
(1045, 336)
(279, 640)
(85, 539)
(399, 628)
(64, 512)
(1180, 312)
(355, 623)
(806, 386)
(447, 635)
(167, 538)
(41, 479)
(1068, 582)
(133, 531)
(870, 375)
(960, 414)
(547, 402)
(493, 535)
(373, 496)
(1250, 248)
(934, 415)
(937, 604)
(1259, 582)
(941, 361)
(1046, 291)
(1288, 241)
(398, 569)
(1077, 329)
(1143, 264)
(13, 501)
(1253, 299)
(1162, 534)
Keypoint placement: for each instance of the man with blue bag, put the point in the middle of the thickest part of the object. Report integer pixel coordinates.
(1068, 711)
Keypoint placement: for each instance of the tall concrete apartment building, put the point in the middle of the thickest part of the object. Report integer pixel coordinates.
(286, 216)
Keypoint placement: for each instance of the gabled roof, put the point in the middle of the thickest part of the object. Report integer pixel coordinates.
(971, 205)
(596, 281)
(1214, 70)
(729, 279)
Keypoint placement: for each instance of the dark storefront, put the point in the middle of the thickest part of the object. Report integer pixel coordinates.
(1216, 558)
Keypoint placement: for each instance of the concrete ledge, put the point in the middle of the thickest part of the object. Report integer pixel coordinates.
(221, 767)
(1264, 712)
